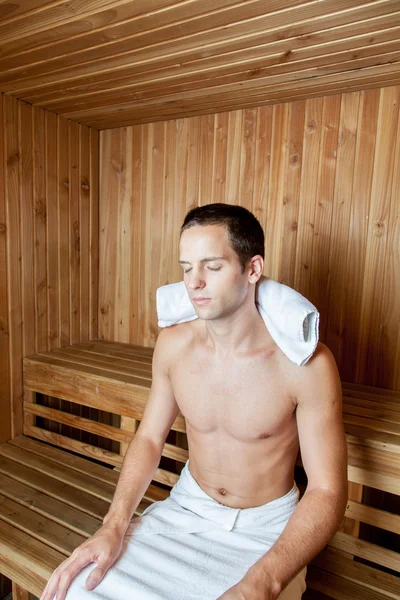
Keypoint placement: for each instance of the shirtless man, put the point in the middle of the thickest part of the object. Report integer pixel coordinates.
(248, 409)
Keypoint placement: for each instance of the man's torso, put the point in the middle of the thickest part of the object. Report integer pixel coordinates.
(240, 417)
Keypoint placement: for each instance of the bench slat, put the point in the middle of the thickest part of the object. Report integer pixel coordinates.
(60, 472)
(380, 581)
(338, 588)
(41, 503)
(110, 365)
(23, 550)
(100, 472)
(99, 372)
(59, 490)
(161, 475)
(373, 516)
(40, 527)
(109, 345)
(372, 552)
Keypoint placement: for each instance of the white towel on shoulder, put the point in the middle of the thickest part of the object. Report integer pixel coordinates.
(291, 319)
(191, 547)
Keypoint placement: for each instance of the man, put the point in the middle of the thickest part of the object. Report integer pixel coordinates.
(247, 411)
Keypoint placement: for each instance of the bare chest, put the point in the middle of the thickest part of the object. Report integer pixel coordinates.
(248, 399)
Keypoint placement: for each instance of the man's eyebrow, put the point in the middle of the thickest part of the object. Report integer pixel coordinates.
(203, 260)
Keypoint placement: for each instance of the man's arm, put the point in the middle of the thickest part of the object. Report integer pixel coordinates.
(320, 511)
(140, 463)
(144, 452)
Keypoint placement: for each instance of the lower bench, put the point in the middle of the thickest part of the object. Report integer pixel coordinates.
(52, 499)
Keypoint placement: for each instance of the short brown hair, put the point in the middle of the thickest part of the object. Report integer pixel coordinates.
(244, 230)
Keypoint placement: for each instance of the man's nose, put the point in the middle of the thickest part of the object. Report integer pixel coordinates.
(196, 281)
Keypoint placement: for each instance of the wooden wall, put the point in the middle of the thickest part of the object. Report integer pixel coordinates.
(48, 242)
(319, 174)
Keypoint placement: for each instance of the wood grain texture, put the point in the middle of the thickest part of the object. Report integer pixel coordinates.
(109, 64)
(94, 373)
(320, 176)
(48, 242)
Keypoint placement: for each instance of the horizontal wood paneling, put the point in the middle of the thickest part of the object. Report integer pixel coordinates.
(319, 174)
(48, 241)
(109, 64)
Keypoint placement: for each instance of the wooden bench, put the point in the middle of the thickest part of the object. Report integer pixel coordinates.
(57, 481)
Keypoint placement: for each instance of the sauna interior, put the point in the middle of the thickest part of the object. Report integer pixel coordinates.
(118, 117)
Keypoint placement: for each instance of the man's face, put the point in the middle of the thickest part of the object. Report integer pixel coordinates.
(212, 271)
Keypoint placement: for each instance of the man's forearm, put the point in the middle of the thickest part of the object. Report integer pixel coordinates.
(140, 463)
(314, 521)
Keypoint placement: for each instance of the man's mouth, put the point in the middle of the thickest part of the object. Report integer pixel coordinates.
(200, 300)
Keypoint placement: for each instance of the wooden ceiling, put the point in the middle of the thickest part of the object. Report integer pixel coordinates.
(108, 64)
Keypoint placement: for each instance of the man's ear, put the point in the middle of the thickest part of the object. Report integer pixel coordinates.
(256, 266)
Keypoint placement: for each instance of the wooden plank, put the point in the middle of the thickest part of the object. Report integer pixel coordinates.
(59, 472)
(27, 553)
(133, 351)
(51, 182)
(14, 283)
(19, 593)
(39, 527)
(366, 550)
(161, 475)
(63, 236)
(368, 355)
(77, 498)
(94, 234)
(113, 364)
(74, 231)
(39, 502)
(84, 232)
(338, 588)
(27, 230)
(26, 579)
(373, 516)
(5, 382)
(80, 464)
(40, 220)
(290, 20)
(373, 439)
(291, 191)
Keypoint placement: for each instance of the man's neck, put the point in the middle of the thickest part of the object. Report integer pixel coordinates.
(237, 333)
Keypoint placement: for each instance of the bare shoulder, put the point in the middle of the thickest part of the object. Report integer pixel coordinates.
(173, 341)
(319, 378)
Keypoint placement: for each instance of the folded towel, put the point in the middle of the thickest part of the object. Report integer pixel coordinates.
(291, 319)
(191, 547)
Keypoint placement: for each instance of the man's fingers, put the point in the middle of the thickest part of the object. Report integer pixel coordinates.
(95, 577)
(98, 573)
(65, 577)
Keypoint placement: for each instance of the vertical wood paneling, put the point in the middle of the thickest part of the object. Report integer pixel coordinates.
(319, 174)
(338, 261)
(291, 192)
(324, 199)
(74, 231)
(40, 218)
(28, 231)
(13, 212)
(371, 327)
(5, 403)
(37, 231)
(52, 229)
(308, 195)
(94, 234)
(63, 231)
(357, 240)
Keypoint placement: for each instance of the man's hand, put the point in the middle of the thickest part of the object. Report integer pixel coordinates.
(250, 588)
(103, 548)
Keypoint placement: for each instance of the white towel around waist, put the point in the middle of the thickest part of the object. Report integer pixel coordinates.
(191, 547)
